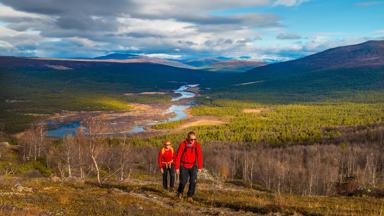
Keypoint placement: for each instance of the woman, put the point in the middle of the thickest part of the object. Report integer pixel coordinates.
(166, 165)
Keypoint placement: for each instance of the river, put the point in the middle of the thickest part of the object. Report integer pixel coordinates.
(182, 92)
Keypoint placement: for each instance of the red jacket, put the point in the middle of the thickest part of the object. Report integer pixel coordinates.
(166, 156)
(188, 154)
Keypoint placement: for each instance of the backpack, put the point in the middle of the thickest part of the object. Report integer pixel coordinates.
(194, 149)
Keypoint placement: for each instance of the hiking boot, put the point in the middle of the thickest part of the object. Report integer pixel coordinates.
(190, 200)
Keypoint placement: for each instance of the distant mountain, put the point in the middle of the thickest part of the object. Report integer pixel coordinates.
(202, 62)
(131, 73)
(368, 54)
(134, 58)
(343, 69)
(233, 65)
(118, 56)
(220, 63)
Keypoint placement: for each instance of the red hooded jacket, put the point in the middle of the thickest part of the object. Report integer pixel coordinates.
(188, 154)
(166, 156)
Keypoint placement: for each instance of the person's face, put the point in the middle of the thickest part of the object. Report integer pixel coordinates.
(168, 145)
(192, 138)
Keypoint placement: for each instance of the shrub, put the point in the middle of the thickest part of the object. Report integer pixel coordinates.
(348, 186)
(29, 166)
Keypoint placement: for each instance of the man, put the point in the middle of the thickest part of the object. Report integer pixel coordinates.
(188, 161)
(166, 165)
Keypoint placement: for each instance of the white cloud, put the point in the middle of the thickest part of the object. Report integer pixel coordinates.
(156, 27)
(188, 8)
(86, 42)
(148, 26)
(74, 28)
(163, 56)
(288, 36)
(289, 3)
(5, 45)
(6, 12)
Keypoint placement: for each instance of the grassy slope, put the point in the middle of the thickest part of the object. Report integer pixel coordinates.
(147, 198)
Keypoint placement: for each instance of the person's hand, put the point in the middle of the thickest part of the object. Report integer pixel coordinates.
(200, 170)
(161, 170)
(177, 171)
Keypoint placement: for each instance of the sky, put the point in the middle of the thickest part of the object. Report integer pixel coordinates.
(262, 30)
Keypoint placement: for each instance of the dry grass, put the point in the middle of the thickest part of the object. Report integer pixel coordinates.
(253, 110)
(145, 197)
(203, 121)
(285, 204)
(68, 198)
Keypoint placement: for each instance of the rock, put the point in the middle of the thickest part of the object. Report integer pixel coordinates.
(204, 174)
(19, 188)
(55, 179)
(75, 180)
(4, 144)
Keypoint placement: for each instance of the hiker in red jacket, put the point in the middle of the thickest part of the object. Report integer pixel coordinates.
(188, 161)
(166, 165)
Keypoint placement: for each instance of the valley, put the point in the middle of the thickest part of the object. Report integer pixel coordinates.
(303, 137)
(138, 120)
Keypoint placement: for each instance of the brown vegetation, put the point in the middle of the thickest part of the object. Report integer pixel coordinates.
(202, 121)
(319, 169)
(306, 170)
(253, 110)
(254, 177)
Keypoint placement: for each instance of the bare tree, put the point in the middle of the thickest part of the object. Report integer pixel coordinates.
(68, 145)
(124, 151)
(41, 132)
(33, 142)
(81, 151)
(94, 127)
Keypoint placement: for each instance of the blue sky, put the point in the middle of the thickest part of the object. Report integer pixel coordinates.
(263, 30)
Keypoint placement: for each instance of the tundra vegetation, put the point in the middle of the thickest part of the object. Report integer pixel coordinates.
(304, 158)
(303, 137)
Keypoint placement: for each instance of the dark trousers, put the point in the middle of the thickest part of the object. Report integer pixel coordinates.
(185, 175)
(171, 171)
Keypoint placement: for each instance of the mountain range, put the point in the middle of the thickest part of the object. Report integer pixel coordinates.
(46, 85)
(368, 56)
(347, 69)
(355, 67)
(218, 64)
